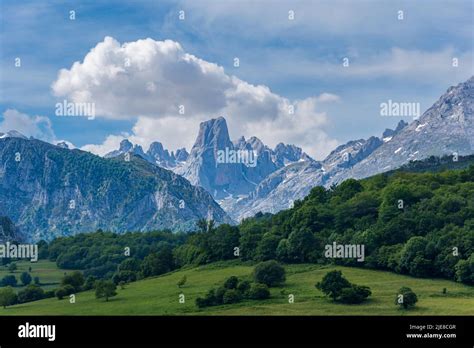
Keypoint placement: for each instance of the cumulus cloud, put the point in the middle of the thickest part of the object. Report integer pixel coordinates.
(169, 91)
(112, 142)
(38, 127)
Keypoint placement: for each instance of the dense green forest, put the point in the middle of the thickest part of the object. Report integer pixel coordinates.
(420, 224)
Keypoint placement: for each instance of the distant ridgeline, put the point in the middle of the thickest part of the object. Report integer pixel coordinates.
(406, 221)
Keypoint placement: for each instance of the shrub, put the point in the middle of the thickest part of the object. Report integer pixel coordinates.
(25, 278)
(60, 293)
(231, 296)
(182, 281)
(219, 297)
(354, 294)
(259, 291)
(231, 282)
(332, 284)
(89, 283)
(406, 298)
(12, 267)
(9, 280)
(7, 297)
(30, 293)
(208, 300)
(49, 294)
(270, 273)
(244, 287)
(63, 291)
(76, 280)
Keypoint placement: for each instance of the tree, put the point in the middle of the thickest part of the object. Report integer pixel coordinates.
(266, 249)
(76, 280)
(182, 281)
(231, 296)
(64, 291)
(332, 284)
(158, 263)
(89, 283)
(202, 225)
(412, 258)
(124, 276)
(36, 280)
(406, 298)
(259, 291)
(250, 236)
(465, 270)
(130, 264)
(208, 300)
(30, 293)
(25, 278)
(105, 288)
(12, 267)
(301, 243)
(244, 287)
(231, 282)
(7, 296)
(9, 280)
(282, 250)
(270, 273)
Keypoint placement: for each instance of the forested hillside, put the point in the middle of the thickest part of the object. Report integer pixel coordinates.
(420, 224)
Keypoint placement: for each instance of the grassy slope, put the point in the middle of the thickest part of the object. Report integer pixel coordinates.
(49, 274)
(159, 296)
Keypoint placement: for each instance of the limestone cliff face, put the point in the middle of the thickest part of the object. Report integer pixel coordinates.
(50, 191)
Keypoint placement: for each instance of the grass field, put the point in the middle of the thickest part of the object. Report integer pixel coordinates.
(49, 274)
(160, 295)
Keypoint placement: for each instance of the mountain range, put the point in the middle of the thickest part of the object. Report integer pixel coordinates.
(285, 173)
(50, 191)
(130, 189)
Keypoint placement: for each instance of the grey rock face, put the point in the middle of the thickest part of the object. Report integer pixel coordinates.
(54, 191)
(388, 133)
(12, 134)
(161, 157)
(8, 231)
(203, 168)
(232, 180)
(444, 129)
(181, 155)
(63, 145)
(126, 147)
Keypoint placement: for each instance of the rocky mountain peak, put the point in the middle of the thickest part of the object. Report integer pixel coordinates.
(125, 145)
(181, 155)
(157, 151)
(12, 134)
(213, 133)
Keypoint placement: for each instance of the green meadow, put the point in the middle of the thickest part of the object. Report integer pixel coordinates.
(49, 274)
(160, 295)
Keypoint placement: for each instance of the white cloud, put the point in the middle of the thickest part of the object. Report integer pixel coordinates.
(409, 65)
(112, 142)
(150, 80)
(38, 127)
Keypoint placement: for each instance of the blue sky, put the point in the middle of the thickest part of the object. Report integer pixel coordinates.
(297, 62)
